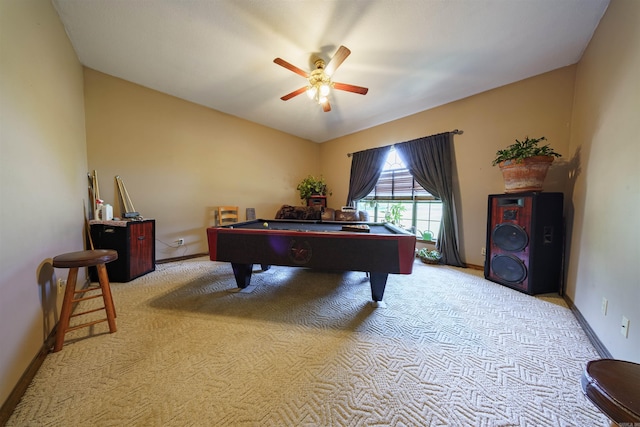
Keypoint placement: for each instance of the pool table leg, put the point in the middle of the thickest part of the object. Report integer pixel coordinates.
(378, 283)
(242, 272)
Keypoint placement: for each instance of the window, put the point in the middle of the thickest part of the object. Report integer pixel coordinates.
(397, 196)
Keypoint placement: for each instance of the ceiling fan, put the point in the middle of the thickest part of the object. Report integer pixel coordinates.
(320, 83)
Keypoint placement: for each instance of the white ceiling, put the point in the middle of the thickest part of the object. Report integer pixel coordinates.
(412, 54)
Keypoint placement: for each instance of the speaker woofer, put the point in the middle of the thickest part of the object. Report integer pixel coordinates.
(510, 237)
(509, 268)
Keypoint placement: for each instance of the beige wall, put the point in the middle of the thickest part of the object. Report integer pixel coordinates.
(539, 106)
(605, 141)
(179, 160)
(43, 177)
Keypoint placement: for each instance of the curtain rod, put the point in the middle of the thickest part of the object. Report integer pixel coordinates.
(455, 132)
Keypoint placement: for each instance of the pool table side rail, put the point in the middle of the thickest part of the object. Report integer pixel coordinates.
(359, 256)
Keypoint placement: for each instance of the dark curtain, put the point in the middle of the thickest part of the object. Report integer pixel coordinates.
(366, 167)
(429, 161)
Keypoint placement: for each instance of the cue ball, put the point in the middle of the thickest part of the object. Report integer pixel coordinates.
(265, 225)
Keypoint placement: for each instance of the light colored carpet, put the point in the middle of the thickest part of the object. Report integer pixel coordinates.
(307, 348)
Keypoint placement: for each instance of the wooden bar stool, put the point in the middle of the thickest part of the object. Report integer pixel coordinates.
(73, 261)
(613, 386)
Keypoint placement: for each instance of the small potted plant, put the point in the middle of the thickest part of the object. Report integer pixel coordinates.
(394, 213)
(524, 164)
(311, 185)
(429, 256)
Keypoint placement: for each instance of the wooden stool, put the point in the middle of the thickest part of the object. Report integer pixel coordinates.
(73, 261)
(614, 387)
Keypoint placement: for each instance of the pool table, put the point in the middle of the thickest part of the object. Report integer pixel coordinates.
(376, 248)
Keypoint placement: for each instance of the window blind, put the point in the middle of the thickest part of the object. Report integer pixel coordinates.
(398, 184)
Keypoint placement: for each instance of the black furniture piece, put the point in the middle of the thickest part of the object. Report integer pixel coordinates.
(378, 249)
(525, 241)
(613, 386)
(308, 213)
(135, 243)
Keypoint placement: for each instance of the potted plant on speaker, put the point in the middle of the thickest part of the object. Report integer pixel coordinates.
(312, 186)
(524, 164)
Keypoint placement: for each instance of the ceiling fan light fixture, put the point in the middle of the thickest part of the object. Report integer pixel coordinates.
(319, 79)
(311, 92)
(318, 91)
(324, 89)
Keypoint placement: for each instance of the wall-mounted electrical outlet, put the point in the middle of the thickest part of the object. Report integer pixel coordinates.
(180, 242)
(603, 307)
(61, 284)
(483, 251)
(624, 327)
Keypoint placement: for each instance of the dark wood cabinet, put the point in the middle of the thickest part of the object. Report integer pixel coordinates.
(135, 243)
(317, 201)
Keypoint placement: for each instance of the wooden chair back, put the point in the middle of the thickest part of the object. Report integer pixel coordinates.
(227, 215)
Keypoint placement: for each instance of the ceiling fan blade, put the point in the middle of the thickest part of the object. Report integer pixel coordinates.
(294, 93)
(326, 107)
(291, 67)
(337, 59)
(350, 88)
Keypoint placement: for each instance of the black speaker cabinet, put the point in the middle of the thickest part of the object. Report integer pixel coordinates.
(525, 241)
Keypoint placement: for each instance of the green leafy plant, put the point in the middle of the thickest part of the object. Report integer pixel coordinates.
(430, 255)
(394, 213)
(521, 150)
(312, 185)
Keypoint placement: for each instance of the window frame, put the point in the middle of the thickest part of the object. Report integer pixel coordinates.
(418, 195)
